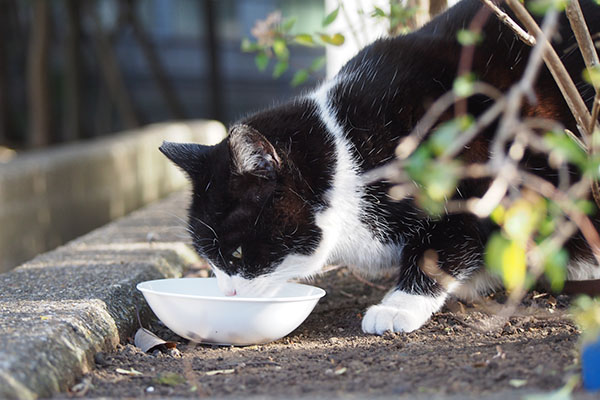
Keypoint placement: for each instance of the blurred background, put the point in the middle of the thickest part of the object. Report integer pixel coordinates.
(90, 88)
(76, 69)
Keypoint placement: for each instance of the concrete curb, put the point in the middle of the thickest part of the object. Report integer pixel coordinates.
(62, 307)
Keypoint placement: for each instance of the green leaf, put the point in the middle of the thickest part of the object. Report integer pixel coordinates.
(566, 148)
(555, 267)
(169, 379)
(522, 218)
(585, 206)
(280, 68)
(463, 85)
(261, 60)
(329, 18)
(447, 133)
(378, 12)
(280, 49)
(336, 40)
(592, 76)
(304, 39)
(288, 24)
(248, 46)
(468, 38)
(507, 258)
(541, 7)
(318, 63)
(300, 77)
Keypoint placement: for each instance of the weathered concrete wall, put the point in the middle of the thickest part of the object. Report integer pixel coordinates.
(51, 196)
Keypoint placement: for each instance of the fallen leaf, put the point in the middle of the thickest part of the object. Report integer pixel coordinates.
(148, 341)
(220, 371)
(130, 371)
(82, 387)
(169, 379)
(340, 371)
(517, 383)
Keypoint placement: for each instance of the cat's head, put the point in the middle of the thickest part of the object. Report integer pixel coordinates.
(247, 217)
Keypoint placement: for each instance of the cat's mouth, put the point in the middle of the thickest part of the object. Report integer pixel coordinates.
(235, 285)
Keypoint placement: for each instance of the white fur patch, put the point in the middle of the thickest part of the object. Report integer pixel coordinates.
(345, 239)
(349, 240)
(581, 270)
(401, 312)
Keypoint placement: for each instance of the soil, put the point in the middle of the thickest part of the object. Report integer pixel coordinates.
(463, 351)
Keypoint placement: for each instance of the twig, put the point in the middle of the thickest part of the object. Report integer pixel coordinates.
(556, 67)
(512, 25)
(582, 34)
(582, 221)
(410, 143)
(524, 86)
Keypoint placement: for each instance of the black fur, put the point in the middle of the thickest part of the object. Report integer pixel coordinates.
(382, 94)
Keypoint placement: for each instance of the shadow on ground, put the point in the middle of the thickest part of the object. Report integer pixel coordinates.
(462, 352)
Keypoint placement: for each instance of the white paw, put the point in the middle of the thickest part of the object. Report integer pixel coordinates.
(401, 312)
(381, 318)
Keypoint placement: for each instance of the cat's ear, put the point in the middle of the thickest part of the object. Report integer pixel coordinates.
(189, 157)
(252, 153)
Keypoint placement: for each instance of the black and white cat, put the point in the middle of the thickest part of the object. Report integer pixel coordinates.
(284, 195)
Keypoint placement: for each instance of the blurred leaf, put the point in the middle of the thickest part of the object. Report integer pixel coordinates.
(592, 76)
(586, 312)
(169, 379)
(507, 258)
(498, 214)
(566, 148)
(329, 18)
(261, 60)
(441, 179)
(378, 12)
(546, 226)
(288, 24)
(249, 46)
(463, 85)
(304, 39)
(300, 77)
(447, 132)
(541, 7)
(585, 206)
(555, 267)
(318, 63)
(468, 38)
(335, 40)
(280, 68)
(280, 49)
(522, 218)
(418, 161)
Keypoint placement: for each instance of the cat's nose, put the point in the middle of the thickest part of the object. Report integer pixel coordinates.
(230, 292)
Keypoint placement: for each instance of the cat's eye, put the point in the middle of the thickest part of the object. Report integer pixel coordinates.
(237, 253)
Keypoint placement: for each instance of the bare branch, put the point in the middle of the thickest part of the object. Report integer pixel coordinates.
(508, 21)
(556, 67)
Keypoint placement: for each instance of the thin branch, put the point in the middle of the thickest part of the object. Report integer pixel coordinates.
(582, 33)
(512, 25)
(556, 67)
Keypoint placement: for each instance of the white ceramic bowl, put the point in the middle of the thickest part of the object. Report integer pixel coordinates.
(195, 309)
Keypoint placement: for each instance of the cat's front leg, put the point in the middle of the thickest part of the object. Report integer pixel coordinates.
(400, 311)
(435, 262)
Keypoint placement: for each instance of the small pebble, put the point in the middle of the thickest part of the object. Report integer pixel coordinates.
(150, 389)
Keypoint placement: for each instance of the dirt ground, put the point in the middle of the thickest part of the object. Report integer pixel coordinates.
(460, 353)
